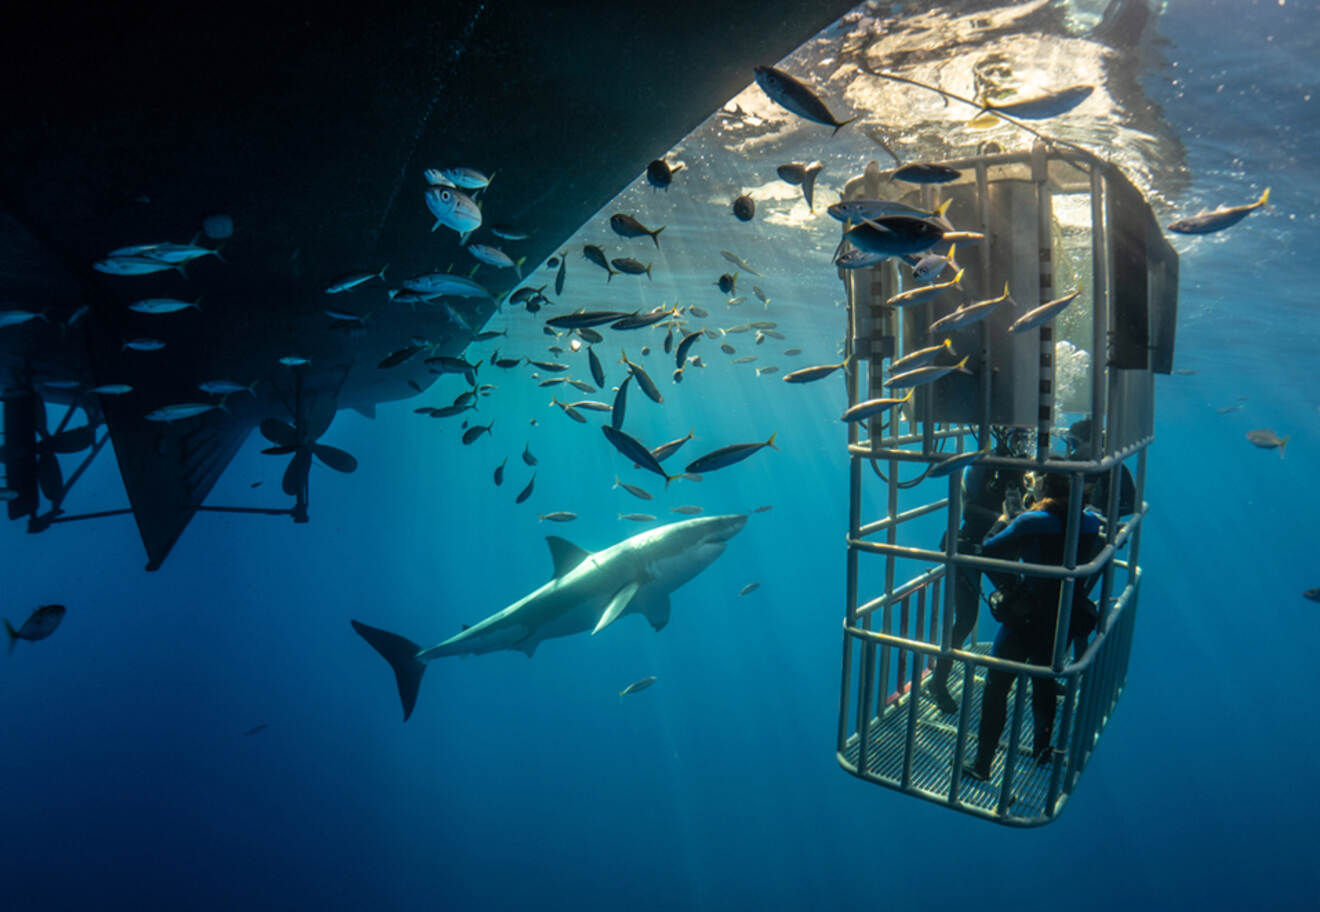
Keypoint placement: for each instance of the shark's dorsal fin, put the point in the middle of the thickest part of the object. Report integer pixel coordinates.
(615, 608)
(564, 554)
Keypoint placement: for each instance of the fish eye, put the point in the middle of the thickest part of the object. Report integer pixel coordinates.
(445, 195)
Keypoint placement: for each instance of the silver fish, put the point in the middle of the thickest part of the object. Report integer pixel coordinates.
(871, 407)
(637, 685)
(968, 314)
(18, 317)
(353, 280)
(737, 261)
(635, 491)
(169, 413)
(453, 209)
(144, 345)
(468, 178)
(796, 97)
(164, 305)
(1044, 313)
(1219, 219)
(557, 516)
(922, 375)
(921, 295)
(922, 356)
(1268, 440)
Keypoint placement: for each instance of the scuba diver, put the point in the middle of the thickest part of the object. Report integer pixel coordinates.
(1097, 484)
(986, 491)
(1028, 609)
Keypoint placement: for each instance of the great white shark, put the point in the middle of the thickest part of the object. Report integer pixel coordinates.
(588, 591)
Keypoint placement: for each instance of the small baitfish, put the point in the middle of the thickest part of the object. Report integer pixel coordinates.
(968, 314)
(660, 174)
(923, 375)
(793, 95)
(18, 317)
(467, 178)
(925, 293)
(1044, 313)
(143, 345)
(926, 173)
(810, 374)
(453, 209)
(922, 356)
(1268, 440)
(164, 305)
(1219, 219)
(624, 225)
(727, 456)
(956, 463)
(871, 407)
(635, 686)
(179, 411)
(39, 625)
(354, 279)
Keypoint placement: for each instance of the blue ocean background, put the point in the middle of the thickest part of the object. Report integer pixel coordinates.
(519, 783)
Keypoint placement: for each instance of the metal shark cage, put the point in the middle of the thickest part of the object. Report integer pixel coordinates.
(1052, 219)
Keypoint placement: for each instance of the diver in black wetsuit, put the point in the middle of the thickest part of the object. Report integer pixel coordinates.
(1097, 484)
(985, 492)
(1028, 613)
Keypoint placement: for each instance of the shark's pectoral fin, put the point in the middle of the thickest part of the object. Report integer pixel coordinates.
(565, 554)
(528, 647)
(655, 607)
(616, 607)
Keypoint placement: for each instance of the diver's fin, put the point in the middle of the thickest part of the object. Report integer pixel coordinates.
(401, 653)
(564, 554)
(615, 607)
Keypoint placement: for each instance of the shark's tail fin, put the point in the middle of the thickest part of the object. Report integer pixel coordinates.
(401, 653)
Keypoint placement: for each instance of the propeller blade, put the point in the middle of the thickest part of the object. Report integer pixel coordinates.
(279, 450)
(41, 415)
(320, 412)
(50, 477)
(74, 440)
(278, 432)
(335, 458)
(295, 476)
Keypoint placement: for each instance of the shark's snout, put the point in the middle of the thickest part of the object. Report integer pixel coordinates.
(723, 528)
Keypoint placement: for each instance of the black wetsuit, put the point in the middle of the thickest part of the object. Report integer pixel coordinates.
(983, 496)
(1035, 537)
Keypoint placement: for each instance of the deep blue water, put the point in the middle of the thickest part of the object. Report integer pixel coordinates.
(527, 783)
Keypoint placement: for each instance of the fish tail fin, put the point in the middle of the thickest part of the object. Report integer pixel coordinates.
(517, 268)
(840, 126)
(655, 235)
(1282, 445)
(381, 275)
(401, 653)
(1264, 198)
(183, 272)
(649, 277)
(13, 636)
(197, 305)
(616, 483)
(962, 365)
(222, 406)
(958, 278)
(216, 253)
(609, 275)
(942, 210)
(771, 442)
